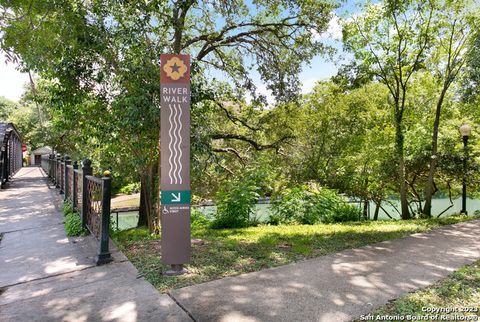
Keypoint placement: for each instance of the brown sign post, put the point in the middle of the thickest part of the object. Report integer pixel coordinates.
(175, 160)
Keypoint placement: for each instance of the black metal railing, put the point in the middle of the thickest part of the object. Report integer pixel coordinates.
(90, 196)
(10, 152)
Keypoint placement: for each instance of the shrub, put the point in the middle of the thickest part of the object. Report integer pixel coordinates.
(344, 212)
(197, 219)
(235, 205)
(236, 201)
(73, 225)
(311, 205)
(130, 188)
(67, 208)
(286, 209)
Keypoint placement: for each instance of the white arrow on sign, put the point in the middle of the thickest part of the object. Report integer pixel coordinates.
(175, 197)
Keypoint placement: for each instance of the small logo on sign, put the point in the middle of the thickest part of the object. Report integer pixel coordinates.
(175, 68)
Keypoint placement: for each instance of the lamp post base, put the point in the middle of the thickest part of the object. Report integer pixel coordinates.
(464, 212)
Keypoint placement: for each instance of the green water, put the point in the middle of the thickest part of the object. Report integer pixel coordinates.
(128, 220)
(438, 206)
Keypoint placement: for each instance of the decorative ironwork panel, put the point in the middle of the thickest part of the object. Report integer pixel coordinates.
(45, 164)
(78, 178)
(94, 206)
(57, 174)
(69, 192)
(62, 176)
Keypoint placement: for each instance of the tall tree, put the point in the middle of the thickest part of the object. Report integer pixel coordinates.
(106, 53)
(471, 80)
(390, 39)
(6, 108)
(455, 24)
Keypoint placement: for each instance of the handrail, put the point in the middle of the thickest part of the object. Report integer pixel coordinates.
(90, 197)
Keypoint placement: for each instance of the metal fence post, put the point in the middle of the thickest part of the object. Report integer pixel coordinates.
(52, 162)
(4, 164)
(7, 161)
(50, 167)
(53, 168)
(86, 171)
(62, 174)
(57, 174)
(104, 256)
(55, 162)
(74, 187)
(65, 178)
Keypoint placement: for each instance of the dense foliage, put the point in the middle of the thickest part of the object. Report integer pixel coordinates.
(385, 126)
(237, 198)
(311, 205)
(99, 62)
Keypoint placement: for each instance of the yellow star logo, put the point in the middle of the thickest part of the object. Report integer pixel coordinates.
(175, 68)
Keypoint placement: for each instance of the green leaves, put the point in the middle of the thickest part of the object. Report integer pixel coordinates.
(311, 205)
(237, 198)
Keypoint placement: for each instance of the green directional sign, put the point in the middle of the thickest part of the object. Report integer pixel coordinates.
(175, 197)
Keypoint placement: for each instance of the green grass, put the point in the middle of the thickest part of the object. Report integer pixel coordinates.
(460, 289)
(228, 252)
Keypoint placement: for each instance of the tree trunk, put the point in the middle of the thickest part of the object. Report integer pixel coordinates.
(148, 212)
(148, 200)
(155, 192)
(377, 210)
(151, 201)
(365, 209)
(405, 213)
(142, 211)
(429, 189)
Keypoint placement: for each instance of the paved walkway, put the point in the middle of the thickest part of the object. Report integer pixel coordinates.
(338, 287)
(45, 276)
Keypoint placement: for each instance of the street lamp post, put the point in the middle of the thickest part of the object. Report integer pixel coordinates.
(465, 131)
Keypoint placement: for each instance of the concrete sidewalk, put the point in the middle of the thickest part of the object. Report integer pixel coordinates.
(338, 287)
(45, 276)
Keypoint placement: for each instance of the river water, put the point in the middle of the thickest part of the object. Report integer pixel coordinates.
(129, 219)
(438, 205)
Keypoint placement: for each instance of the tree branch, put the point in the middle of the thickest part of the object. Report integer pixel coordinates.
(257, 146)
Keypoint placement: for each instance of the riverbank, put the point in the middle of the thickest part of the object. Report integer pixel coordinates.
(229, 252)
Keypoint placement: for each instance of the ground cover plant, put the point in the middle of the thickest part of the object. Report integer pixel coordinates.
(73, 222)
(228, 252)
